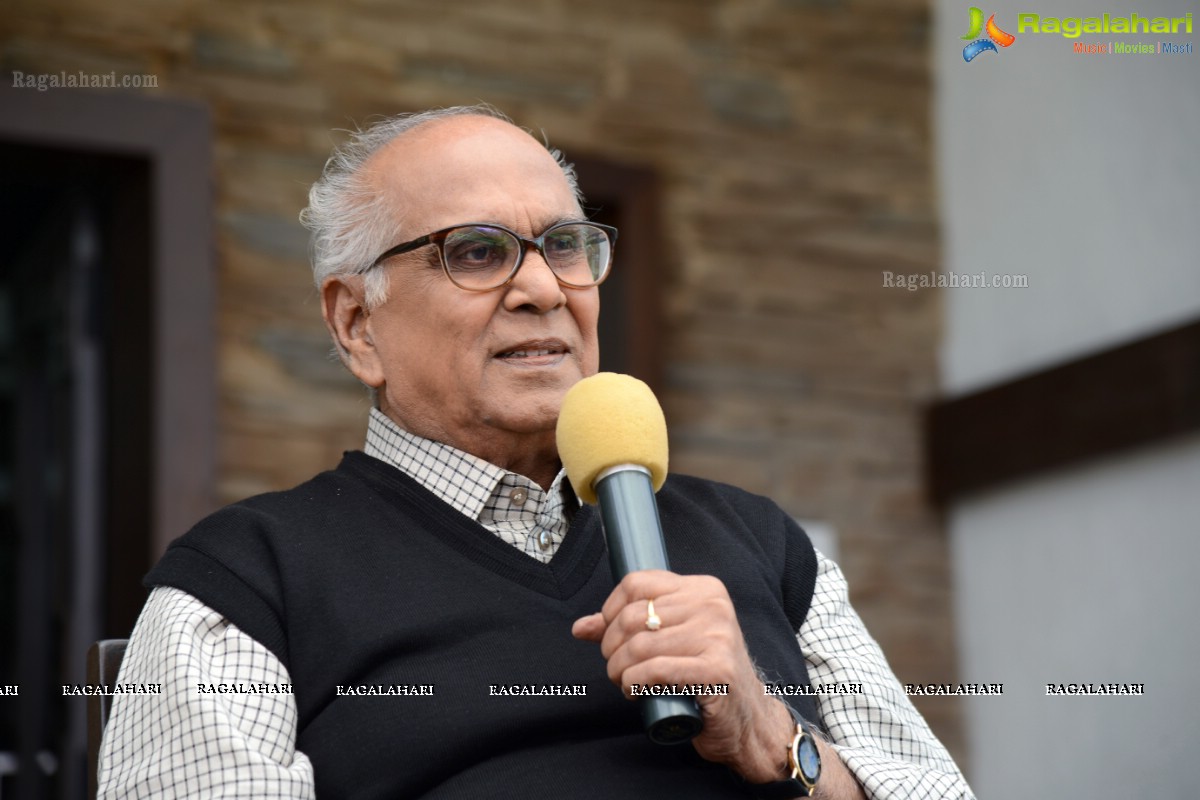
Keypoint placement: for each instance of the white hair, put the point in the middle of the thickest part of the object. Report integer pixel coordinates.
(351, 222)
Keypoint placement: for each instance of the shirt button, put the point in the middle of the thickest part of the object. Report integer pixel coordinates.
(544, 540)
(518, 497)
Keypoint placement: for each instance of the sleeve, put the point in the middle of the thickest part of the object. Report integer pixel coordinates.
(881, 737)
(186, 742)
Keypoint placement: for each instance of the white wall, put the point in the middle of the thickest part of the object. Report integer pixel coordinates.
(1089, 576)
(1082, 172)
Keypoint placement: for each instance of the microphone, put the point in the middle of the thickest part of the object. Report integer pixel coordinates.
(612, 439)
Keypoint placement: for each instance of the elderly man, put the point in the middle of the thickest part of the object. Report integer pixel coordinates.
(392, 627)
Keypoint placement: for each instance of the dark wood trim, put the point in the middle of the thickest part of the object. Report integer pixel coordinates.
(1130, 395)
(176, 137)
(629, 197)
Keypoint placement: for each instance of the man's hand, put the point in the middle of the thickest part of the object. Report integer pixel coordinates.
(699, 642)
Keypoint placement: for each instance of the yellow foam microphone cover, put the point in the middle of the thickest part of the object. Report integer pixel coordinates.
(606, 420)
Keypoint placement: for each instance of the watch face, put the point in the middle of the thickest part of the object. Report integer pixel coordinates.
(808, 759)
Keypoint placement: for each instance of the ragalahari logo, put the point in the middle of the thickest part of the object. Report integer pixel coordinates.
(994, 33)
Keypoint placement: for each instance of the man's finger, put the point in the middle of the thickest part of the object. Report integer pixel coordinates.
(642, 585)
(590, 628)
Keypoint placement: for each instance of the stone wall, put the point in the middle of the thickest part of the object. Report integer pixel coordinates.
(793, 142)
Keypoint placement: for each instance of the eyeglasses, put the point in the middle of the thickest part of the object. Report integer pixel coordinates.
(480, 256)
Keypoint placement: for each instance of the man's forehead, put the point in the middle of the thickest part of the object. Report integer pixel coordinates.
(456, 142)
(468, 166)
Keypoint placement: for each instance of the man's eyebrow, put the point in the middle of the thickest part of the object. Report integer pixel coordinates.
(559, 220)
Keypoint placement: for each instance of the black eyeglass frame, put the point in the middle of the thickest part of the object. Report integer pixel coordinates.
(438, 239)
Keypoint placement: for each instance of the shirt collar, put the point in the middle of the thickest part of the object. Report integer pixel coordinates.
(465, 482)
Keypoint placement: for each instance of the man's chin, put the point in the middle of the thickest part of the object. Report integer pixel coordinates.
(528, 412)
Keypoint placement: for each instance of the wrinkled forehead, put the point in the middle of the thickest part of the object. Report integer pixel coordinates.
(470, 169)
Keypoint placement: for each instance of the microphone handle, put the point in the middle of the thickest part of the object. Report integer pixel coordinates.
(633, 530)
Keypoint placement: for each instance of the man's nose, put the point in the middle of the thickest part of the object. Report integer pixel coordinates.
(535, 284)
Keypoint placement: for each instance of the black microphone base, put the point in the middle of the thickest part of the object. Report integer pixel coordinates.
(671, 720)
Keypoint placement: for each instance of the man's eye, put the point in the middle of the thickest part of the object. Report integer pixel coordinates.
(566, 243)
(480, 252)
(475, 254)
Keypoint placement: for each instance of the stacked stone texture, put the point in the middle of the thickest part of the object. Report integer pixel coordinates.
(793, 142)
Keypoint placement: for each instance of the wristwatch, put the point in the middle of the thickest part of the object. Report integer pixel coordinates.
(803, 763)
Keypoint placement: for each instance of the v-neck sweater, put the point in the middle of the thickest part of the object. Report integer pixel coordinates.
(362, 579)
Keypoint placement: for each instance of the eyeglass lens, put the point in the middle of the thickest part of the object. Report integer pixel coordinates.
(481, 257)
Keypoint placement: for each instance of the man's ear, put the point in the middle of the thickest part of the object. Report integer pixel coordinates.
(349, 322)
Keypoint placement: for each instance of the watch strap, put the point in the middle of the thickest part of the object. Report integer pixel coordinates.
(788, 789)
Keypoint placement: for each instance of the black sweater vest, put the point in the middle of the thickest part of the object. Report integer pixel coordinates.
(360, 577)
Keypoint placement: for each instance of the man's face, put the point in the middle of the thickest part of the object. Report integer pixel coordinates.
(476, 369)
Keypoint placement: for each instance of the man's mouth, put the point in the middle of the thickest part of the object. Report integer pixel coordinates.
(528, 353)
(534, 350)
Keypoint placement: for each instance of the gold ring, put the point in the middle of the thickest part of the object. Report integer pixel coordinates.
(653, 621)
